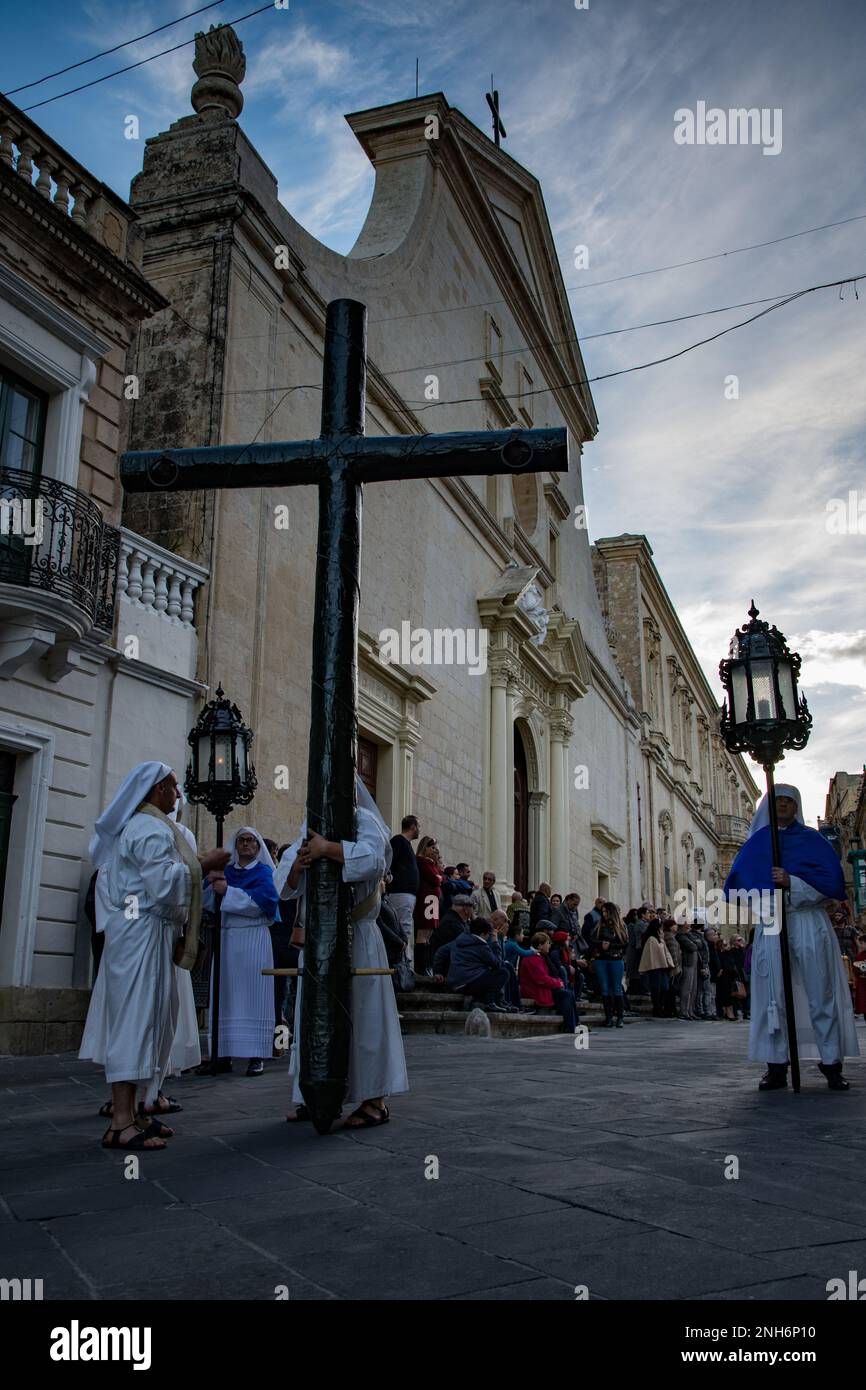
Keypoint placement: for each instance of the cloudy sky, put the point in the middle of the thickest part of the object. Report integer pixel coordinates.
(733, 493)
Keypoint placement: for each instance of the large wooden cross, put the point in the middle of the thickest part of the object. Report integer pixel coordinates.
(338, 462)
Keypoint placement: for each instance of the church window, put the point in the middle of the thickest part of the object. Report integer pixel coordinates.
(493, 347)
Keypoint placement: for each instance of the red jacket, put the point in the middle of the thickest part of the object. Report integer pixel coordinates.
(536, 982)
(429, 887)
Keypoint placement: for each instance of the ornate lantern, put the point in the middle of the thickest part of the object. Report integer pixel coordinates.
(220, 774)
(763, 713)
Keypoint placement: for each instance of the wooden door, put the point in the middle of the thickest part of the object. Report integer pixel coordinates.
(521, 815)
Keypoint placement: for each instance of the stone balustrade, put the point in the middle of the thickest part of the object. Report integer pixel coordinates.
(732, 829)
(150, 577)
(156, 592)
(28, 151)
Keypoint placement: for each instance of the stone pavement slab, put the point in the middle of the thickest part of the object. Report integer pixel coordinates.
(514, 1169)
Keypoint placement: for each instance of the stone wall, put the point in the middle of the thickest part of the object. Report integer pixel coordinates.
(35, 1021)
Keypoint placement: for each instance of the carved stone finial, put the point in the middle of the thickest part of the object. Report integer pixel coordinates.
(220, 65)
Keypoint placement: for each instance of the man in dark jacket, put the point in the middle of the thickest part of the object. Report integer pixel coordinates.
(475, 969)
(592, 918)
(540, 908)
(451, 923)
(405, 879)
(499, 924)
(566, 917)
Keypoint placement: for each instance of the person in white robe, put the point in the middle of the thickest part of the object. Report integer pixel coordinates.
(185, 1048)
(148, 889)
(811, 877)
(377, 1062)
(247, 911)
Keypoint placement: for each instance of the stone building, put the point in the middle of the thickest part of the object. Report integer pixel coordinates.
(844, 824)
(529, 766)
(74, 707)
(696, 799)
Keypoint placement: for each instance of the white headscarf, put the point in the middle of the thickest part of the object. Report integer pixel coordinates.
(263, 857)
(375, 821)
(127, 799)
(178, 805)
(174, 814)
(762, 815)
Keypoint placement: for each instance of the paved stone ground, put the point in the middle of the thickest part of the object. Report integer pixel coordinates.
(557, 1168)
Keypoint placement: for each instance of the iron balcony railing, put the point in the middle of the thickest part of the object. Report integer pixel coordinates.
(53, 538)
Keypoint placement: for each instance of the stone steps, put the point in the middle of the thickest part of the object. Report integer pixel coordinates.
(501, 1025)
(424, 1010)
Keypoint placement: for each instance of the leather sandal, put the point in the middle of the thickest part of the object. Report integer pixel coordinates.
(138, 1142)
(367, 1120)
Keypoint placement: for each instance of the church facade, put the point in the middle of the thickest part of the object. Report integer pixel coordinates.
(526, 761)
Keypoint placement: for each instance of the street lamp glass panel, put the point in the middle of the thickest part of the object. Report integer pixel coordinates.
(242, 760)
(762, 688)
(222, 762)
(786, 690)
(199, 752)
(739, 693)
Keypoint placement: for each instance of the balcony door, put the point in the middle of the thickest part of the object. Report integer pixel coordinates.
(23, 411)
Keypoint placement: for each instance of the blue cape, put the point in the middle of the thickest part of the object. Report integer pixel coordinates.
(258, 883)
(805, 854)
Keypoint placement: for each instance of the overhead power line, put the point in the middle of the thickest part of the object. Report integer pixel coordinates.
(656, 361)
(140, 64)
(718, 255)
(116, 49)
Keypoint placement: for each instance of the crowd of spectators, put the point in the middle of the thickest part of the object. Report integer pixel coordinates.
(539, 951)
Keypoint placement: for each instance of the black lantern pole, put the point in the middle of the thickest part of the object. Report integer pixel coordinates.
(763, 715)
(219, 777)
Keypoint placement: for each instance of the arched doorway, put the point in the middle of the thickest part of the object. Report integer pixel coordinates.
(521, 814)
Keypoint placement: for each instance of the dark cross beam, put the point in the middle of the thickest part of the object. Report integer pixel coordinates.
(338, 462)
(493, 102)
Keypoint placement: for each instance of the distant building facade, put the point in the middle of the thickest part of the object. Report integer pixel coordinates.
(844, 825)
(696, 799)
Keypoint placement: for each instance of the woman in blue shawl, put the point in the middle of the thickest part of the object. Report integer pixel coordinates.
(810, 876)
(248, 908)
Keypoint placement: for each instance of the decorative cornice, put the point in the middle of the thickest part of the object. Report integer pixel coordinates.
(46, 311)
(557, 501)
(496, 398)
(406, 684)
(22, 199)
(606, 835)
